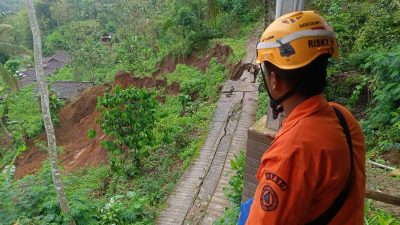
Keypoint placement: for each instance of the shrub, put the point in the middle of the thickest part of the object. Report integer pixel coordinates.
(13, 65)
(55, 105)
(33, 200)
(382, 125)
(129, 117)
(55, 41)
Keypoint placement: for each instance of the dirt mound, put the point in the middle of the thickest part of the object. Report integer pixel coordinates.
(77, 150)
(168, 65)
(72, 114)
(78, 117)
(5, 141)
(393, 157)
(126, 80)
(237, 70)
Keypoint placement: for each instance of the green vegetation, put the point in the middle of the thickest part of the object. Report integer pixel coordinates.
(370, 56)
(383, 122)
(234, 192)
(24, 112)
(169, 133)
(120, 119)
(263, 102)
(32, 200)
(375, 216)
(103, 195)
(238, 45)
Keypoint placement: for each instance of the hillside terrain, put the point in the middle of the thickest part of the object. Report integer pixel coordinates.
(169, 91)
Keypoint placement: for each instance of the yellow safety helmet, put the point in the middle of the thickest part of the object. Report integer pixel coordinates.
(296, 39)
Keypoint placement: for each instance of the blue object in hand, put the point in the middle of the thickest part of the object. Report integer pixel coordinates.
(244, 211)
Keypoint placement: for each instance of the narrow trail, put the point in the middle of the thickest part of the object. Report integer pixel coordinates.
(199, 197)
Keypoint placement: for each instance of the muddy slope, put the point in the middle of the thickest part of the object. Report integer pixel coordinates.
(78, 117)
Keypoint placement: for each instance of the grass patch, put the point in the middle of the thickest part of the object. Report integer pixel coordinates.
(238, 45)
(64, 74)
(25, 112)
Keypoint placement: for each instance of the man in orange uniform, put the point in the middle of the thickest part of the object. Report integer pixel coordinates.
(313, 173)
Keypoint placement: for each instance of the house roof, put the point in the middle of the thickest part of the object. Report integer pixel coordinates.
(50, 64)
(61, 56)
(69, 89)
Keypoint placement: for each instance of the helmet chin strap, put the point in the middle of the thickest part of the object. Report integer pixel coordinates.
(276, 104)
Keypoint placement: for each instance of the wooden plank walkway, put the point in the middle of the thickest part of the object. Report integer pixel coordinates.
(199, 197)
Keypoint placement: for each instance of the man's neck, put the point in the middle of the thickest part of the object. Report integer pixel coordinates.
(292, 103)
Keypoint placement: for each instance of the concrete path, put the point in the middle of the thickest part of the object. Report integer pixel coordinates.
(199, 197)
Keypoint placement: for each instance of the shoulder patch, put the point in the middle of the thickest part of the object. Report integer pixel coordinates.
(268, 199)
(277, 180)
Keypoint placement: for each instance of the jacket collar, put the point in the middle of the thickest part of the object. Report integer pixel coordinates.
(306, 108)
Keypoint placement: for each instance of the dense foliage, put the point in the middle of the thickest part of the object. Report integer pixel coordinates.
(143, 34)
(101, 195)
(128, 116)
(369, 34)
(383, 122)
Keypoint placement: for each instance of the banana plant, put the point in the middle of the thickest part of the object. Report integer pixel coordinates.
(9, 49)
(8, 78)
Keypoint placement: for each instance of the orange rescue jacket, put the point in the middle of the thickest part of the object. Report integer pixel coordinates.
(307, 166)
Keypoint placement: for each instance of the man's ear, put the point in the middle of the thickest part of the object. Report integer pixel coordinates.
(273, 80)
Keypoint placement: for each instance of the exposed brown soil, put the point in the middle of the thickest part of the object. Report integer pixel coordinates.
(78, 117)
(5, 141)
(75, 120)
(126, 80)
(380, 180)
(393, 157)
(168, 65)
(237, 70)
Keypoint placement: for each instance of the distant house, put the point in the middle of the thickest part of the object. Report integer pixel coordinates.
(50, 64)
(106, 37)
(69, 89)
(55, 61)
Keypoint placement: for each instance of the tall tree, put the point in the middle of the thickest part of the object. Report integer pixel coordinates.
(212, 10)
(60, 11)
(44, 99)
(269, 12)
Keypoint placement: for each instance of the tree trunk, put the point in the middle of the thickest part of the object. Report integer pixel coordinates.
(44, 99)
(208, 12)
(269, 12)
(199, 8)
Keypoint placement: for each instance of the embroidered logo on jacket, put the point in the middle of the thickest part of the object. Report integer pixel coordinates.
(277, 180)
(268, 199)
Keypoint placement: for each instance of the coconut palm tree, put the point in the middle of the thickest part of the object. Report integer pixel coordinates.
(44, 99)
